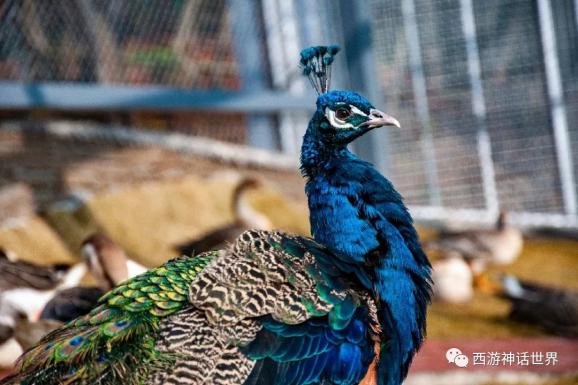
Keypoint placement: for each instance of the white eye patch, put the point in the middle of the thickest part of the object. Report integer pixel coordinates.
(338, 123)
(357, 111)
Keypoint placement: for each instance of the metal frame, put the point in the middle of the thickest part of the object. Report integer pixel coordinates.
(358, 48)
(246, 39)
(479, 106)
(576, 12)
(282, 36)
(421, 101)
(210, 148)
(471, 216)
(95, 97)
(435, 211)
(557, 107)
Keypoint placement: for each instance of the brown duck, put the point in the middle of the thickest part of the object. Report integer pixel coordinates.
(108, 263)
(245, 218)
(552, 308)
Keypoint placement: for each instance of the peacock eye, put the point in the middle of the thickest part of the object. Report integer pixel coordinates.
(342, 113)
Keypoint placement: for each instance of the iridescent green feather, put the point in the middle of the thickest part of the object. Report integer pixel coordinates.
(118, 336)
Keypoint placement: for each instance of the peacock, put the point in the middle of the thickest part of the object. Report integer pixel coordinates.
(272, 308)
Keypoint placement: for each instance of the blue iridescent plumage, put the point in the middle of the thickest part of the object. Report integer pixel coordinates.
(316, 64)
(357, 214)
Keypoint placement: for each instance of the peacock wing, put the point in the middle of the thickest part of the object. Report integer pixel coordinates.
(290, 317)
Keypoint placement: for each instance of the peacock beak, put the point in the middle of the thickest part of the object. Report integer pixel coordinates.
(380, 119)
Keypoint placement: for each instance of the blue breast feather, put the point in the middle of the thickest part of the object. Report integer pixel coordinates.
(372, 214)
(375, 222)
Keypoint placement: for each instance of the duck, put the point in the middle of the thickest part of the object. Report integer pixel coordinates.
(27, 333)
(500, 246)
(19, 330)
(72, 303)
(453, 279)
(18, 274)
(99, 250)
(552, 308)
(18, 334)
(246, 217)
(28, 287)
(9, 347)
(109, 265)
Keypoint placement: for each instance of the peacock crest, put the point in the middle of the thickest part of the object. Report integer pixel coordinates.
(316, 64)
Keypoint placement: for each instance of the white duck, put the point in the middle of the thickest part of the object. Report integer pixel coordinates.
(453, 279)
(27, 287)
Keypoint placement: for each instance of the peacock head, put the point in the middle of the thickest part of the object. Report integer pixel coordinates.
(346, 115)
(341, 116)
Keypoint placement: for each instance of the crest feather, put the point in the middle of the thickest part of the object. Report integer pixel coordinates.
(316, 64)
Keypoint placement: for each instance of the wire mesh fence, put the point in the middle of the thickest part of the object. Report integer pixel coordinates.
(184, 44)
(474, 83)
(426, 71)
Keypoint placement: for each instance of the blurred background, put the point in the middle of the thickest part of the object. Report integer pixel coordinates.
(141, 119)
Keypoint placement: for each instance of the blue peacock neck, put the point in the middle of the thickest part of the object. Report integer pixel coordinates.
(387, 251)
(315, 152)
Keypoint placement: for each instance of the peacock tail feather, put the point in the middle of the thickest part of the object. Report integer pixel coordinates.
(118, 336)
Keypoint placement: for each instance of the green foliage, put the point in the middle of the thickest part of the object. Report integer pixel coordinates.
(154, 57)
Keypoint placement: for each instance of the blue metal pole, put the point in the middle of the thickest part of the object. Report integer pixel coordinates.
(246, 24)
(479, 107)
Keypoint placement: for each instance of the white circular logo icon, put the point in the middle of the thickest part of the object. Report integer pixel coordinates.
(461, 361)
(452, 353)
